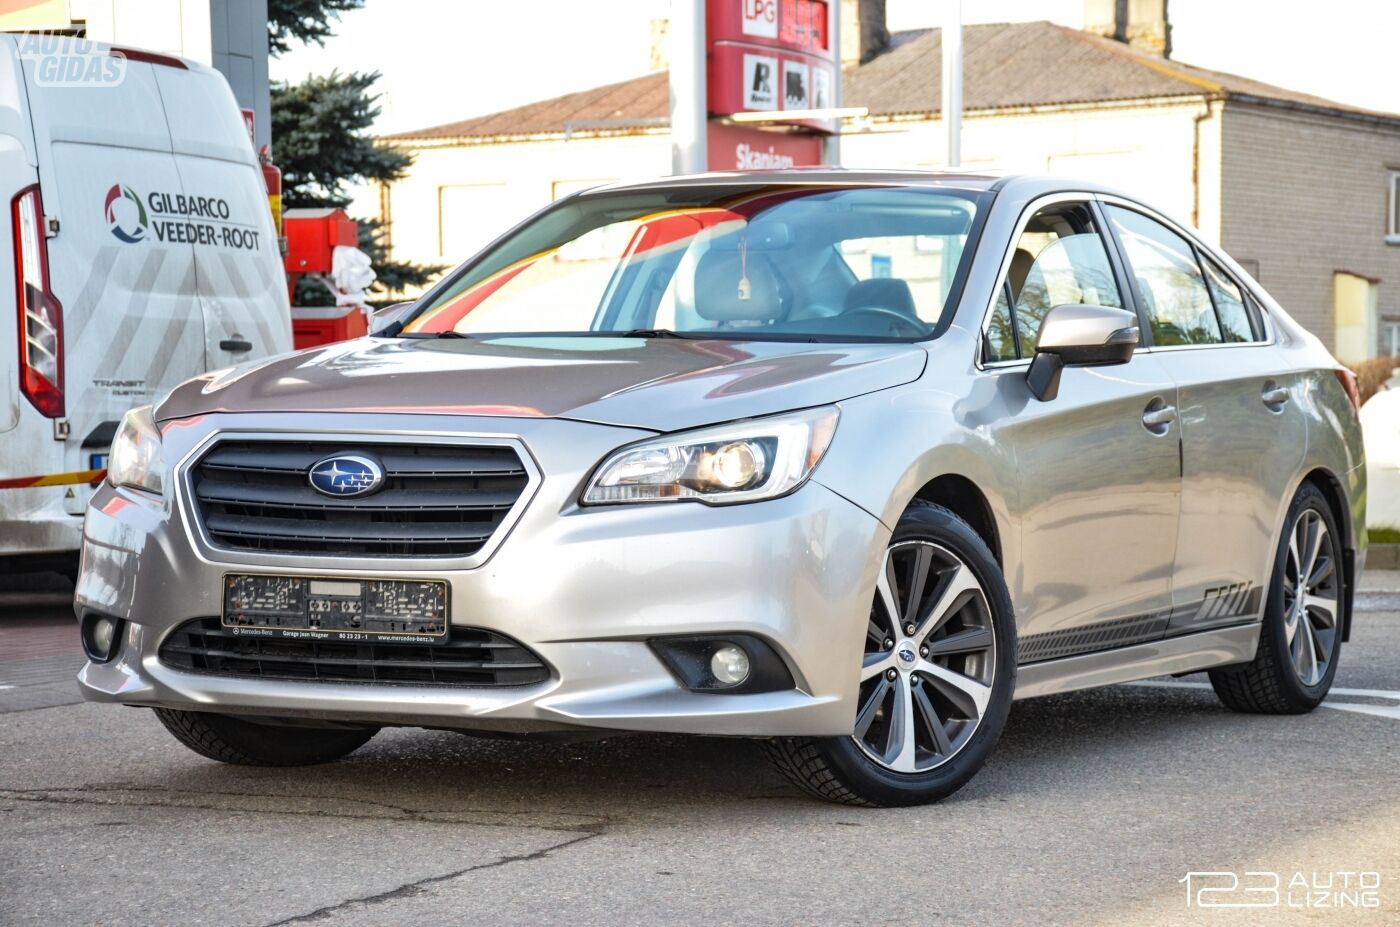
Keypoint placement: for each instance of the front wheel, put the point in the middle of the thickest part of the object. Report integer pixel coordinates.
(245, 743)
(938, 670)
(1300, 639)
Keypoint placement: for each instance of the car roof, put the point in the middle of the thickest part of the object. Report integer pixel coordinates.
(966, 181)
(815, 176)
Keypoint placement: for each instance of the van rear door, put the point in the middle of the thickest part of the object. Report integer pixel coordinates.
(239, 278)
(16, 173)
(132, 323)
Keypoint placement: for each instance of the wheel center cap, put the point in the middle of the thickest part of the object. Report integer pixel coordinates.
(907, 654)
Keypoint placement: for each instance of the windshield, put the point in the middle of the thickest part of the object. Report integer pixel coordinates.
(782, 262)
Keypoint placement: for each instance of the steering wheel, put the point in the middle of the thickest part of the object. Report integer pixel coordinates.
(900, 320)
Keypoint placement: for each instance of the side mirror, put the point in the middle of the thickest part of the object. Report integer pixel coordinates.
(387, 316)
(1079, 336)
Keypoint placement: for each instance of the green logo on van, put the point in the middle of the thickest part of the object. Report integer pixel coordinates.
(126, 224)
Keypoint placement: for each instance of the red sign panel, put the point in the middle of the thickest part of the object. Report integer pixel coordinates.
(805, 24)
(771, 55)
(744, 148)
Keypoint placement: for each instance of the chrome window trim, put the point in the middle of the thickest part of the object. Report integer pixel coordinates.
(213, 553)
(1027, 213)
(1225, 262)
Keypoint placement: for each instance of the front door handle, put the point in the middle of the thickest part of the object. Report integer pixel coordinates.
(1274, 396)
(235, 345)
(1158, 416)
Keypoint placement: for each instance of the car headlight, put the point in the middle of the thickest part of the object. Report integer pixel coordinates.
(136, 460)
(741, 462)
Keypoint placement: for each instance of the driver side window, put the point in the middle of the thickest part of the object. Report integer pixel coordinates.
(1060, 258)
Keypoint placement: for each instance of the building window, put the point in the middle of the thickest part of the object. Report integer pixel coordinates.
(1390, 337)
(1392, 223)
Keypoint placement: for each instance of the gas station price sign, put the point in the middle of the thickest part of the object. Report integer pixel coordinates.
(771, 56)
(805, 24)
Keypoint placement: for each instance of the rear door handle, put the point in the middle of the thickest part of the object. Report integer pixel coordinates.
(1159, 416)
(1274, 396)
(235, 345)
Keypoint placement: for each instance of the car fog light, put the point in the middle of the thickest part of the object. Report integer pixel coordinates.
(103, 631)
(725, 664)
(729, 665)
(101, 637)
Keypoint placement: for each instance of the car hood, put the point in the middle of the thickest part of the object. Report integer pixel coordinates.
(655, 383)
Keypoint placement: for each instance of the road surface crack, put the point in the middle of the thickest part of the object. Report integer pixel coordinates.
(192, 800)
(411, 889)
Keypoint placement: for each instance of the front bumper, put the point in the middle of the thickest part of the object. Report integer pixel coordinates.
(583, 588)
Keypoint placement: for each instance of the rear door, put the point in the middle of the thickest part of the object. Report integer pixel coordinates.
(238, 266)
(1243, 430)
(16, 173)
(132, 322)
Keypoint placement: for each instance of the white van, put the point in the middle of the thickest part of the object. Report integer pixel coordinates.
(139, 227)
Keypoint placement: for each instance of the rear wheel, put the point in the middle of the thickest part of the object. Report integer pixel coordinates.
(937, 674)
(245, 743)
(1300, 639)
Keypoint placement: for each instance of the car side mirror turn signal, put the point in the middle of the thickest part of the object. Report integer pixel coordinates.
(1079, 336)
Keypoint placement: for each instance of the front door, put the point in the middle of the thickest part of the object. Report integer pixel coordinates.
(1099, 465)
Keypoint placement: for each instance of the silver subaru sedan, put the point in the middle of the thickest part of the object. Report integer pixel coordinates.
(843, 461)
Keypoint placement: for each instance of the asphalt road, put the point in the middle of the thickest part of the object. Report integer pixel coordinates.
(1092, 810)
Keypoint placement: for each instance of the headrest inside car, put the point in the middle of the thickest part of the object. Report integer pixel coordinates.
(881, 293)
(720, 297)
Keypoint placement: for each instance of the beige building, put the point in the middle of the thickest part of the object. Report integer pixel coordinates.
(1304, 192)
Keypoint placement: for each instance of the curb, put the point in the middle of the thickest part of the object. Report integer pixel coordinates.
(1383, 557)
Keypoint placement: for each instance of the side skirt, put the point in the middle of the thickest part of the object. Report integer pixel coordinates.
(1181, 654)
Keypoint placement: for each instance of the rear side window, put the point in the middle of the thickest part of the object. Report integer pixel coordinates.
(1235, 324)
(1170, 282)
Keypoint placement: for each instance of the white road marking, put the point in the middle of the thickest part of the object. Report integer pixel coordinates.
(1379, 711)
(6, 687)
(1335, 690)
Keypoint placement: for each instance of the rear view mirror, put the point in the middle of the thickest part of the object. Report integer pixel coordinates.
(1079, 336)
(767, 235)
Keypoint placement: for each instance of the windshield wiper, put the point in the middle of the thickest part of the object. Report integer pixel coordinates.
(646, 333)
(429, 336)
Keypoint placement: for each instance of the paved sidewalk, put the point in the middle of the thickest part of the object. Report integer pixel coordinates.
(1379, 581)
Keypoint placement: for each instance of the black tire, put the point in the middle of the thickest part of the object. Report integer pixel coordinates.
(836, 769)
(1269, 684)
(244, 743)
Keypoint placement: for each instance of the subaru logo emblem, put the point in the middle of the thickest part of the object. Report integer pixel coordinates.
(346, 475)
(907, 655)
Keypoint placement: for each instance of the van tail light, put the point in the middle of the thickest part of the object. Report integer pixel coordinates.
(1347, 378)
(40, 315)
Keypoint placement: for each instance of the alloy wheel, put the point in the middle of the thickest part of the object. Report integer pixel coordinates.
(929, 659)
(1310, 597)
